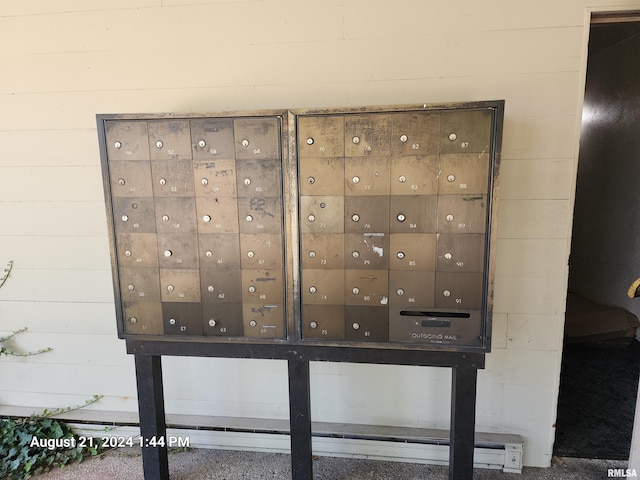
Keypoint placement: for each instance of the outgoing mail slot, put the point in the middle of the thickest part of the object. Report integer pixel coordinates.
(215, 178)
(366, 287)
(178, 250)
(458, 290)
(257, 138)
(415, 133)
(460, 253)
(320, 251)
(465, 131)
(139, 285)
(137, 249)
(321, 136)
(323, 287)
(411, 289)
(134, 215)
(412, 251)
(367, 135)
(212, 138)
(175, 215)
(367, 324)
(366, 176)
(222, 320)
(260, 215)
(321, 215)
(464, 174)
(462, 213)
(258, 178)
(217, 214)
(413, 214)
(169, 140)
(131, 179)
(320, 176)
(414, 175)
(261, 251)
(142, 318)
(323, 322)
(180, 285)
(182, 318)
(219, 250)
(220, 286)
(263, 321)
(262, 287)
(172, 178)
(366, 251)
(366, 214)
(127, 140)
(435, 326)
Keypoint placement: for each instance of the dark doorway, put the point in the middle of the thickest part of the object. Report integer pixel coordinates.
(601, 359)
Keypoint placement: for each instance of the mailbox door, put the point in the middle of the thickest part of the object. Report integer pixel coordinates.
(320, 251)
(219, 250)
(212, 139)
(139, 285)
(134, 215)
(366, 287)
(223, 320)
(131, 178)
(367, 324)
(137, 250)
(324, 322)
(143, 318)
(127, 140)
(180, 285)
(321, 176)
(175, 215)
(221, 286)
(261, 251)
(321, 214)
(321, 136)
(260, 215)
(169, 140)
(217, 215)
(215, 178)
(414, 175)
(366, 251)
(258, 178)
(263, 321)
(178, 250)
(323, 287)
(410, 251)
(366, 176)
(415, 133)
(257, 138)
(460, 253)
(459, 290)
(413, 214)
(182, 318)
(464, 174)
(466, 131)
(366, 214)
(367, 135)
(462, 213)
(172, 178)
(411, 289)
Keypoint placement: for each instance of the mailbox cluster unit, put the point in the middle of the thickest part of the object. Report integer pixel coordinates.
(351, 227)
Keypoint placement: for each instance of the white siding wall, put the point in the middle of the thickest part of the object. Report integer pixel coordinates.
(62, 62)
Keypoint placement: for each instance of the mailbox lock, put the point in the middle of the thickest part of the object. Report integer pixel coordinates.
(400, 255)
(453, 137)
(451, 178)
(402, 179)
(356, 326)
(449, 218)
(202, 144)
(312, 254)
(355, 290)
(172, 321)
(247, 181)
(121, 181)
(212, 323)
(245, 143)
(159, 144)
(400, 292)
(313, 325)
(128, 253)
(117, 145)
(401, 217)
(356, 140)
(355, 179)
(131, 288)
(322, 205)
(211, 288)
(206, 218)
(446, 293)
(252, 289)
(171, 288)
(448, 256)
(209, 253)
(204, 181)
(134, 205)
(309, 141)
(163, 181)
(250, 254)
(124, 218)
(311, 180)
(249, 218)
(168, 253)
(253, 323)
(165, 218)
(312, 289)
(403, 138)
(311, 218)
(133, 320)
(355, 217)
(355, 254)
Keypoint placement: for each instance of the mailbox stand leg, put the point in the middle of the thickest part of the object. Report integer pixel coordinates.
(300, 419)
(152, 420)
(463, 422)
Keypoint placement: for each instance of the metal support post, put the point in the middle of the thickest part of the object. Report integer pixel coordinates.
(300, 419)
(463, 419)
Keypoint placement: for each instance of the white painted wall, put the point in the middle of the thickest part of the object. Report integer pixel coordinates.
(62, 62)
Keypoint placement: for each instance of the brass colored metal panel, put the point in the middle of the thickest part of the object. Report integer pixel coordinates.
(464, 174)
(143, 318)
(260, 215)
(221, 286)
(137, 249)
(320, 251)
(366, 251)
(134, 215)
(414, 175)
(175, 215)
(367, 324)
(415, 133)
(465, 131)
(172, 178)
(411, 289)
(263, 321)
(222, 320)
(131, 178)
(139, 285)
(458, 290)
(169, 140)
(127, 140)
(212, 139)
(366, 287)
(261, 251)
(321, 136)
(413, 214)
(462, 213)
(217, 214)
(215, 178)
(257, 138)
(321, 176)
(366, 176)
(423, 327)
(322, 215)
(323, 287)
(368, 134)
(180, 285)
(366, 214)
(182, 318)
(323, 322)
(178, 250)
(259, 178)
(264, 287)
(460, 253)
(219, 250)
(409, 251)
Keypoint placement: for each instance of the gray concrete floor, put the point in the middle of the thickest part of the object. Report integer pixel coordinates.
(206, 464)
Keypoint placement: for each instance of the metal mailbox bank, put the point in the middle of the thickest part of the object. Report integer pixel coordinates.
(360, 235)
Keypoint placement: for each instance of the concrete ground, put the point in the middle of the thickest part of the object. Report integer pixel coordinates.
(206, 464)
